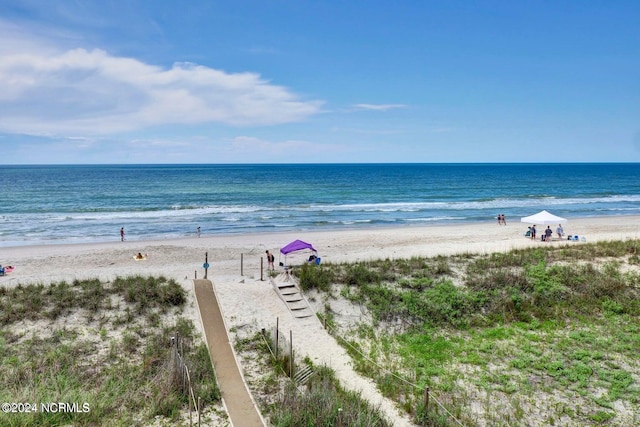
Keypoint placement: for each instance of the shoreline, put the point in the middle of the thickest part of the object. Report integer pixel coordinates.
(183, 257)
(186, 239)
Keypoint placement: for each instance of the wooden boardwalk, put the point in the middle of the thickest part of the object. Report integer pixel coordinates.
(235, 395)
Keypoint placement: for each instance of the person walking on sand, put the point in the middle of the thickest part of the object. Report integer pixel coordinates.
(270, 261)
(122, 234)
(504, 220)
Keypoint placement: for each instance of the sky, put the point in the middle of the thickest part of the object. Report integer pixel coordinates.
(300, 81)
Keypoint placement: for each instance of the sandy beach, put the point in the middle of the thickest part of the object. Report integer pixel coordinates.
(249, 303)
(180, 258)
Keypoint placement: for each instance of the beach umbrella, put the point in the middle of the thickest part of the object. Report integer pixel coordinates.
(543, 218)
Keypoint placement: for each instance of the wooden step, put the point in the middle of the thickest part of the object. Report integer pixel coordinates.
(293, 298)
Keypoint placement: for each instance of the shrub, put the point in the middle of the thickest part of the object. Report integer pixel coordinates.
(358, 275)
(315, 277)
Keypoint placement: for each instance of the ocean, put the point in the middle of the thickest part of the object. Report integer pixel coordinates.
(90, 203)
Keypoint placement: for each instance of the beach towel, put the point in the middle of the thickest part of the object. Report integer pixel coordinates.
(6, 269)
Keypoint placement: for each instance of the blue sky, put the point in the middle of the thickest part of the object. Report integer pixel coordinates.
(269, 81)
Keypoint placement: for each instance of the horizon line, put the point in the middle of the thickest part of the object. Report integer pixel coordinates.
(323, 163)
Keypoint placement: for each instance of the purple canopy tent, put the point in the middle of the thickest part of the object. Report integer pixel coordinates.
(297, 246)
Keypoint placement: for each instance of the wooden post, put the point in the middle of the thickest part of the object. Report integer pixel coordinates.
(426, 399)
(277, 336)
(290, 354)
(199, 408)
(242, 264)
(261, 269)
(184, 378)
(196, 274)
(190, 406)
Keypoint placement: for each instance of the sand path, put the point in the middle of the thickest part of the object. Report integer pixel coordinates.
(260, 307)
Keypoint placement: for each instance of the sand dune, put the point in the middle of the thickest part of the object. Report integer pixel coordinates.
(248, 301)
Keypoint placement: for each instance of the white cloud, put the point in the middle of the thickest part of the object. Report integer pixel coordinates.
(89, 92)
(379, 107)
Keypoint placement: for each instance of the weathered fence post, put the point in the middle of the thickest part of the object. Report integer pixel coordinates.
(199, 409)
(290, 354)
(426, 399)
(190, 405)
(277, 336)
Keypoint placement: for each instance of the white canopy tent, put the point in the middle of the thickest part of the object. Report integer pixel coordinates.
(543, 218)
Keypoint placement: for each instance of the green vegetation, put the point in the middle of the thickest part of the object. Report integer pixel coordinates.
(321, 401)
(324, 403)
(315, 277)
(532, 337)
(102, 347)
(547, 336)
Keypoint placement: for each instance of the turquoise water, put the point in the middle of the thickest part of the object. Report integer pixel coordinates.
(67, 204)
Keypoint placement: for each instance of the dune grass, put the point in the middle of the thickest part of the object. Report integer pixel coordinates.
(321, 401)
(324, 403)
(545, 336)
(101, 349)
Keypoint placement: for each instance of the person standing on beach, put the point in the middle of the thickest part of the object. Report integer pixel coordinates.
(122, 234)
(547, 234)
(504, 220)
(560, 231)
(533, 232)
(198, 231)
(270, 261)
